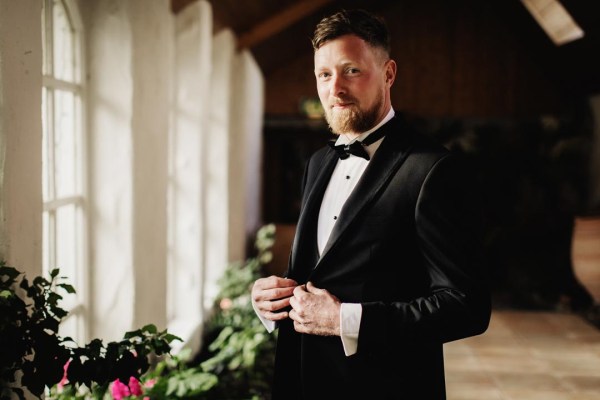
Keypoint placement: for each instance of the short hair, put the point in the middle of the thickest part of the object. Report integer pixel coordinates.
(369, 27)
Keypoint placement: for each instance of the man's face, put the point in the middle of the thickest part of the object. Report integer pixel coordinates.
(353, 81)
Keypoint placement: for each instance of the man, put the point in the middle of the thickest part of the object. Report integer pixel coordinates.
(386, 263)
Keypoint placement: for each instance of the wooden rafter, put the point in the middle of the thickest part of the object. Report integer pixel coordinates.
(278, 22)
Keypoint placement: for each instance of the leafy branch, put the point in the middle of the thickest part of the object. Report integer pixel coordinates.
(35, 356)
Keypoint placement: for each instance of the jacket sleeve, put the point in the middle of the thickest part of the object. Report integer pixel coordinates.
(449, 228)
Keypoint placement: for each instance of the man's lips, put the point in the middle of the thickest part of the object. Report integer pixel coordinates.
(341, 105)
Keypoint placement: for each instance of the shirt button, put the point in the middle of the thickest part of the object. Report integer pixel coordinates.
(335, 217)
(347, 176)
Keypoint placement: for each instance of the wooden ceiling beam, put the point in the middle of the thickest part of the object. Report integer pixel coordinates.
(278, 22)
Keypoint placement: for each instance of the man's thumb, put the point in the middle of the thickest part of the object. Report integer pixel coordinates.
(310, 287)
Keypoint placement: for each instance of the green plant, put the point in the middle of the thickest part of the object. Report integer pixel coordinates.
(240, 351)
(237, 360)
(35, 356)
(28, 332)
(235, 364)
(175, 378)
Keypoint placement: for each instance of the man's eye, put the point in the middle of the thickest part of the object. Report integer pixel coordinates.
(324, 75)
(353, 70)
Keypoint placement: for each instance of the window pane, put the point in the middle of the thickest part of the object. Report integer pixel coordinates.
(70, 326)
(66, 242)
(63, 42)
(63, 168)
(46, 149)
(48, 237)
(65, 150)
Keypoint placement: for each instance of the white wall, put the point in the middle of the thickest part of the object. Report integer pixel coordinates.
(218, 144)
(21, 135)
(161, 124)
(152, 30)
(110, 113)
(245, 152)
(174, 122)
(191, 74)
(129, 59)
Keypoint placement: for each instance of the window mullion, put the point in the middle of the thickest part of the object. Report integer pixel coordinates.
(51, 240)
(60, 84)
(64, 178)
(50, 145)
(61, 202)
(48, 43)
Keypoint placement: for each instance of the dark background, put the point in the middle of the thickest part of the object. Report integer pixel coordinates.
(484, 79)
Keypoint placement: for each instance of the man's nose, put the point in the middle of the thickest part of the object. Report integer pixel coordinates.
(337, 85)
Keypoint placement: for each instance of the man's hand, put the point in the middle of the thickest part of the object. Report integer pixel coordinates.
(315, 311)
(271, 295)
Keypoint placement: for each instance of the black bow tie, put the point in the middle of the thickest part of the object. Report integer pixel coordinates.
(344, 150)
(357, 148)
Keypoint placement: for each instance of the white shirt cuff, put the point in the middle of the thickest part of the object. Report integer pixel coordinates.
(350, 315)
(269, 325)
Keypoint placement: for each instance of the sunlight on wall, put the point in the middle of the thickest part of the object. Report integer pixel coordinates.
(174, 124)
(20, 135)
(217, 171)
(110, 90)
(192, 69)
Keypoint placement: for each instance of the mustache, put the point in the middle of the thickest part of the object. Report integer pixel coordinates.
(342, 100)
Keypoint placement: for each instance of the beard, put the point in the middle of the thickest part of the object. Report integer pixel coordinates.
(353, 119)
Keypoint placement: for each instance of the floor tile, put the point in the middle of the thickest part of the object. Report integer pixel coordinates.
(531, 355)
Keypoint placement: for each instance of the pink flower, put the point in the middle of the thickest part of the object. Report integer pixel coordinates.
(135, 387)
(64, 379)
(225, 304)
(119, 390)
(150, 383)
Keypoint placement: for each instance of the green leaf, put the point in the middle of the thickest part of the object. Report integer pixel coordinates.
(10, 272)
(68, 288)
(150, 328)
(171, 338)
(60, 313)
(39, 281)
(132, 334)
(53, 298)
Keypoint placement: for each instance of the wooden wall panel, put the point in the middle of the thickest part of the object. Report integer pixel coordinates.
(422, 47)
(455, 59)
(287, 85)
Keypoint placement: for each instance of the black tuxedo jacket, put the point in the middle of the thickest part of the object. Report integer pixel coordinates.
(407, 246)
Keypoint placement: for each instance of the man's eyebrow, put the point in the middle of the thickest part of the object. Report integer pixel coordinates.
(344, 64)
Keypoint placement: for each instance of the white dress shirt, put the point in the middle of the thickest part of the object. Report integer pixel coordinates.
(345, 176)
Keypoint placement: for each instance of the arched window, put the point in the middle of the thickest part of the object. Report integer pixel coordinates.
(64, 167)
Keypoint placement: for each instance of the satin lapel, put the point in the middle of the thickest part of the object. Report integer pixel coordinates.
(391, 154)
(306, 228)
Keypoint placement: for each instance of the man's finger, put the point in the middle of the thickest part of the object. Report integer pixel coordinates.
(311, 288)
(299, 290)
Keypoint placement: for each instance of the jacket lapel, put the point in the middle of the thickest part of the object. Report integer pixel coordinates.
(390, 155)
(305, 240)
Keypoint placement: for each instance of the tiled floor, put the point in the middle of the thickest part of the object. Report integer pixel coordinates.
(534, 355)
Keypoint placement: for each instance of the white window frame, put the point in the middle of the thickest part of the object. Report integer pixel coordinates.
(76, 324)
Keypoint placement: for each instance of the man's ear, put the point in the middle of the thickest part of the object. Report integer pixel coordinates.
(390, 72)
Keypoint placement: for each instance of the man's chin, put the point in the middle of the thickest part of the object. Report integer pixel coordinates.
(341, 123)
(336, 127)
